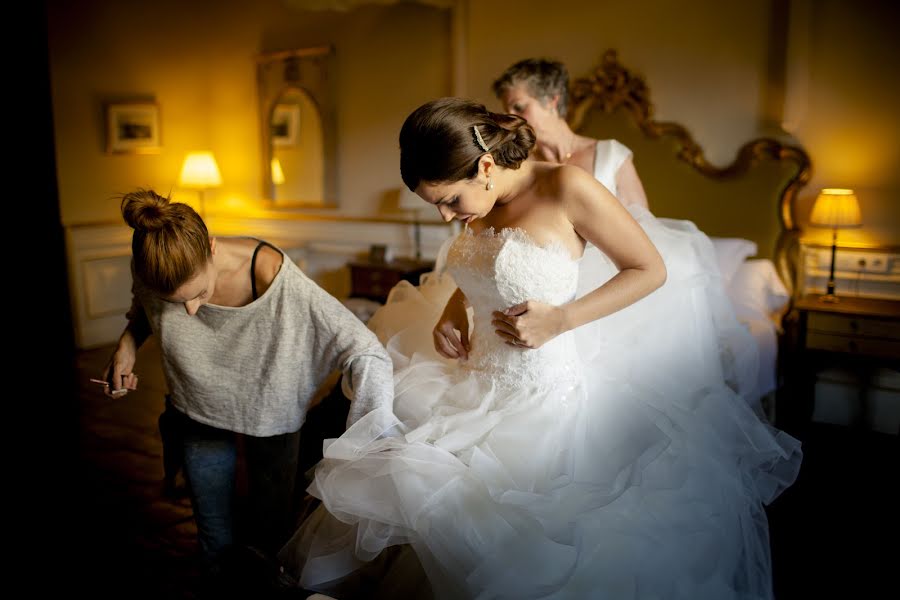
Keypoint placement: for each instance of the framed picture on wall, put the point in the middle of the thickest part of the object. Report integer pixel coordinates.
(132, 127)
(285, 124)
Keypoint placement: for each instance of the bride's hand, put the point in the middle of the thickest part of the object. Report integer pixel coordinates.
(530, 324)
(451, 334)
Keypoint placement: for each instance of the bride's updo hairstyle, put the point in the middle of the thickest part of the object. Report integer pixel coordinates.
(170, 243)
(439, 144)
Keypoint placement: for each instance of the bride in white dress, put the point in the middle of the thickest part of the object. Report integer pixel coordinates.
(537, 90)
(514, 464)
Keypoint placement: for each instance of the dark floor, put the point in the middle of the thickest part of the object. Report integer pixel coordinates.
(834, 533)
(140, 541)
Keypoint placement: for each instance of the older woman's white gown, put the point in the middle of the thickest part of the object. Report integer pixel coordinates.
(569, 471)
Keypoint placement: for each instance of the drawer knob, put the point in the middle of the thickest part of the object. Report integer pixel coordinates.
(854, 325)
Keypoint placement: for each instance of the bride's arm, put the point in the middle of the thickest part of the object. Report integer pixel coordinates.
(599, 218)
(455, 318)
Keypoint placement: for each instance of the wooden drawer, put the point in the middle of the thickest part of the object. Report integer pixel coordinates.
(851, 325)
(850, 344)
(373, 282)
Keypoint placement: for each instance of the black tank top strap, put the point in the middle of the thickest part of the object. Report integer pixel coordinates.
(253, 265)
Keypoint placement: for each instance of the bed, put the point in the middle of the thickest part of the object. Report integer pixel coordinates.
(746, 207)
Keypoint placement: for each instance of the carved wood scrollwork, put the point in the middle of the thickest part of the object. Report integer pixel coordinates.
(612, 86)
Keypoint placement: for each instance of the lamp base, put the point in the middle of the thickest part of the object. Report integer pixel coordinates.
(829, 290)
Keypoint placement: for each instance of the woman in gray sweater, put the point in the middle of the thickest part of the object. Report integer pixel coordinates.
(246, 341)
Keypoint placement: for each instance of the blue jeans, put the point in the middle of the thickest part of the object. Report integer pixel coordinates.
(210, 467)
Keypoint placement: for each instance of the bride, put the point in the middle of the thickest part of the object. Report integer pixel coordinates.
(536, 89)
(514, 463)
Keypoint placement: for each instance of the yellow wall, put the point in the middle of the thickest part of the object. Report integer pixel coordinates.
(196, 60)
(711, 66)
(704, 60)
(849, 118)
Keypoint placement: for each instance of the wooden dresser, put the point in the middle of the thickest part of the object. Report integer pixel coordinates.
(855, 326)
(859, 334)
(373, 280)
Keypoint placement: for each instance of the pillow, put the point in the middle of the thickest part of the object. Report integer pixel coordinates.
(730, 253)
(756, 291)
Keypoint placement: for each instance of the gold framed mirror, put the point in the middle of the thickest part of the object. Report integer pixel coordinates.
(297, 123)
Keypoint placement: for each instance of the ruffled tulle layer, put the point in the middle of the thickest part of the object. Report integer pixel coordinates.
(687, 327)
(640, 474)
(551, 494)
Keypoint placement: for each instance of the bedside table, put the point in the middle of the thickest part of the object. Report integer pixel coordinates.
(861, 334)
(374, 280)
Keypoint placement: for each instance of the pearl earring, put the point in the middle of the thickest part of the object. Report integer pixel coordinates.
(490, 184)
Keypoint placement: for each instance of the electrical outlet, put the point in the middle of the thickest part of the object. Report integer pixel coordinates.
(877, 263)
(864, 262)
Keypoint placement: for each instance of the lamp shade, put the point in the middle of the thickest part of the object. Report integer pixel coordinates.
(200, 171)
(836, 208)
(409, 200)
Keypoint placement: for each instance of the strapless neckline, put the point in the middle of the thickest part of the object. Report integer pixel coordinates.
(522, 235)
(498, 269)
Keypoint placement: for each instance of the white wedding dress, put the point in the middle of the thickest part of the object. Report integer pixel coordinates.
(576, 470)
(692, 266)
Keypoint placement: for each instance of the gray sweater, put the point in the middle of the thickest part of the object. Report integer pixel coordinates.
(254, 369)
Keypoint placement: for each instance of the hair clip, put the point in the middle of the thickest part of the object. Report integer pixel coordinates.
(480, 139)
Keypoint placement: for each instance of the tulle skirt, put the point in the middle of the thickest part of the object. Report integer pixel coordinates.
(642, 475)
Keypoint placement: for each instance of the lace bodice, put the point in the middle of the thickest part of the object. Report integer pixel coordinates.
(498, 270)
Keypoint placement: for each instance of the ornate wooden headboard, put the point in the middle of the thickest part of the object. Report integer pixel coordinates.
(752, 198)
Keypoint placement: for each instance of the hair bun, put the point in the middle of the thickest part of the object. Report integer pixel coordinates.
(145, 210)
(515, 140)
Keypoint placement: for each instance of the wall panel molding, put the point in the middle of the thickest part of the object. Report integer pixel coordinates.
(865, 272)
(99, 260)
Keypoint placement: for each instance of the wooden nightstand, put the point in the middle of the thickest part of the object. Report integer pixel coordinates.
(861, 334)
(374, 280)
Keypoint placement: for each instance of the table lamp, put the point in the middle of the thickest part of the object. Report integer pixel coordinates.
(836, 208)
(200, 172)
(411, 202)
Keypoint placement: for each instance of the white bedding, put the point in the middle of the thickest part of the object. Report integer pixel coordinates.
(759, 298)
(765, 333)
